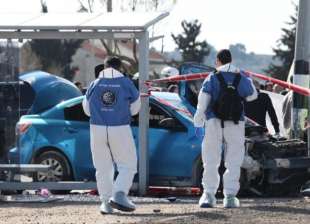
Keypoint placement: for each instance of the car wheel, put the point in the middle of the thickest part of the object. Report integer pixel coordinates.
(60, 171)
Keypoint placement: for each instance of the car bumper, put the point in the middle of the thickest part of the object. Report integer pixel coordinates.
(288, 163)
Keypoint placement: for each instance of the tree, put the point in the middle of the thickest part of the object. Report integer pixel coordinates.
(55, 53)
(190, 47)
(284, 52)
(126, 5)
(238, 50)
(44, 6)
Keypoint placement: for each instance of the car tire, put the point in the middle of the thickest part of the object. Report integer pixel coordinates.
(60, 172)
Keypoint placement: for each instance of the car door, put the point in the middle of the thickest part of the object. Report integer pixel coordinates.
(169, 145)
(189, 90)
(77, 132)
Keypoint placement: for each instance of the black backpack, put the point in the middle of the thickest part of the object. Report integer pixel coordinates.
(229, 105)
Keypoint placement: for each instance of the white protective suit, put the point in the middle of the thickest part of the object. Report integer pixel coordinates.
(232, 134)
(113, 145)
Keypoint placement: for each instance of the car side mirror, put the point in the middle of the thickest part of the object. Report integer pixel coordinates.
(168, 123)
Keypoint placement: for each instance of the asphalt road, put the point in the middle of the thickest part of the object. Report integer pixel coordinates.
(82, 209)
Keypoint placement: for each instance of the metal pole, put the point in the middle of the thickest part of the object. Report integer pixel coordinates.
(109, 6)
(301, 69)
(109, 9)
(144, 113)
(308, 129)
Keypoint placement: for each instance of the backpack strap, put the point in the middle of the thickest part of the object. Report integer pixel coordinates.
(223, 85)
(237, 80)
(235, 84)
(221, 80)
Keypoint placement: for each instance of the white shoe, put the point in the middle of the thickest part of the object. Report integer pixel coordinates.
(105, 208)
(231, 201)
(121, 202)
(207, 200)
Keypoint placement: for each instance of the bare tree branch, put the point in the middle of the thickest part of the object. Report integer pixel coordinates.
(108, 50)
(44, 6)
(83, 8)
(117, 49)
(135, 50)
(90, 4)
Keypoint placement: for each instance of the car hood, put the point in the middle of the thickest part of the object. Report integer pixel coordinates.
(49, 90)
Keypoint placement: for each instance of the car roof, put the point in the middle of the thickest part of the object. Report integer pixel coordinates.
(166, 96)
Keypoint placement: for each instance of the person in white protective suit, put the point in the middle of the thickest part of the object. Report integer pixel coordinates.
(169, 71)
(110, 102)
(220, 133)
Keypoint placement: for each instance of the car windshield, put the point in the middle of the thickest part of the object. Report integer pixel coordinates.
(175, 103)
(181, 109)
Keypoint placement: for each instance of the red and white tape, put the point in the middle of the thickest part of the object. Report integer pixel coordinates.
(189, 77)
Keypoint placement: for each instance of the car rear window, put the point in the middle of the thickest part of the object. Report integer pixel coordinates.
(75, 113)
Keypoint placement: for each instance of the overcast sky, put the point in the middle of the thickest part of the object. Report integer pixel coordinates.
(255, 23)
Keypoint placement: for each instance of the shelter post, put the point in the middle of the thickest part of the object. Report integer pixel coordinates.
(144, 112)
(301, 70)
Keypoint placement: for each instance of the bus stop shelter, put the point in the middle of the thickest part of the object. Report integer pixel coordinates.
(117, 26)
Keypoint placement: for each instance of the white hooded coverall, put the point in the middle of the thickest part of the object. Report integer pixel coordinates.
(232, 134)
(113, 145)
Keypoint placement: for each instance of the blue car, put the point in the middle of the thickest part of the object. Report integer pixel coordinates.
(59, 136)
(55, 132)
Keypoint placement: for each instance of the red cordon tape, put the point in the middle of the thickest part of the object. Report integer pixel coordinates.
(145, 94)
(177, 78)
(189, 77)
(298, 89)
(172, 106)
(166, 103)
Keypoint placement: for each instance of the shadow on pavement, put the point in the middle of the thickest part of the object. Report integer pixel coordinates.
(281, 209)
(198, 214)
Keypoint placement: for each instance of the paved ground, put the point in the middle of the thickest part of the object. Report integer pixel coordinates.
(84, 209)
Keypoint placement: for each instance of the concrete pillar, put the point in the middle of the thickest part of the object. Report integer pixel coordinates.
(301, 70)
